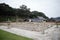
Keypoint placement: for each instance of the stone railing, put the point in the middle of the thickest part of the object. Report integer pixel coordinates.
(32, 26)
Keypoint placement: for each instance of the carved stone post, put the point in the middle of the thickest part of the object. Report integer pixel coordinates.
(29, 20)
(8, 23)
(56, 24)
(43, 28)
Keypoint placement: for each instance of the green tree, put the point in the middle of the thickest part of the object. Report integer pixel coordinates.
(6, 12)
(36, 13)
(24, 11)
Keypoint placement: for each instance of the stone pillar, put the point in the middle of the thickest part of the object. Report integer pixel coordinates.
(56, 24)
(8, 23)
(29, 20)
(43, 28)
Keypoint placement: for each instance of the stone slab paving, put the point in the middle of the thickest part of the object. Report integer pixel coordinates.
(52, 33)
(26, 33)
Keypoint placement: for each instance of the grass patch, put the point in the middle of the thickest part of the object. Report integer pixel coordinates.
(9, 36)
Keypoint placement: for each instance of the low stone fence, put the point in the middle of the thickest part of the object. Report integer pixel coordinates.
(32, 26)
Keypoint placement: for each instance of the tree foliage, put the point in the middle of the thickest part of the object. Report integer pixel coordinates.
(23, 12)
